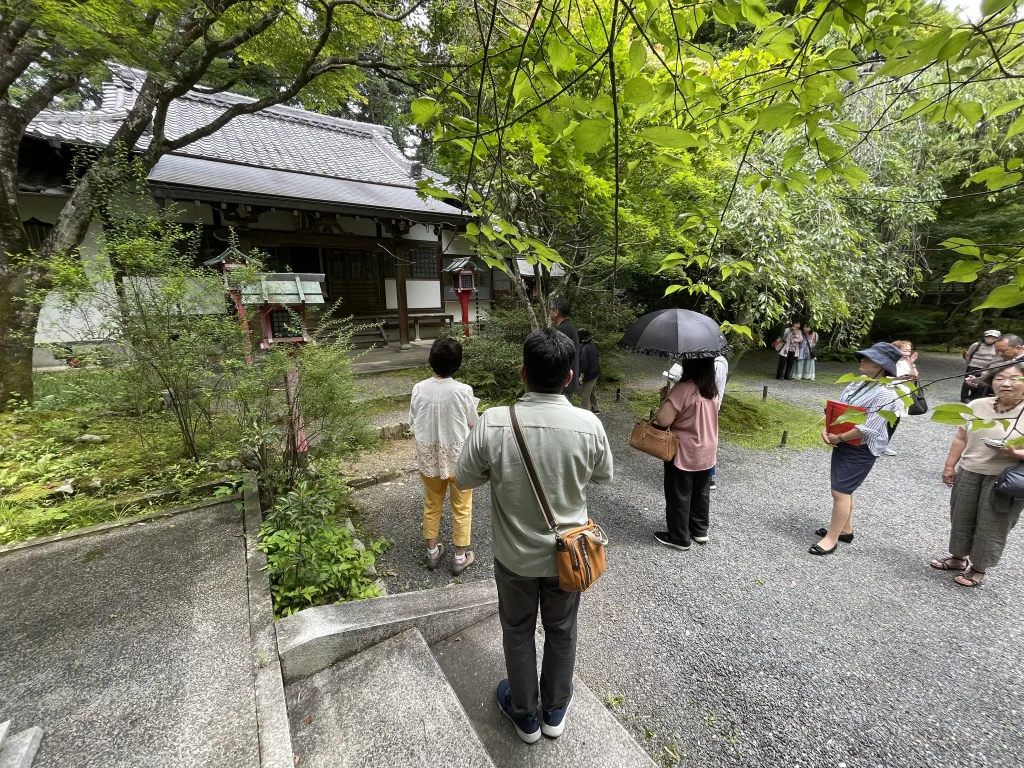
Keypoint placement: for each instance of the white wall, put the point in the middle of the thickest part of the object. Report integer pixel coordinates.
(421, 294)
(477, 310)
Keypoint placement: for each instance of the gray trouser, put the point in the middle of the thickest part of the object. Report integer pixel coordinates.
(981, 519)
(588, 395)
(518, 597)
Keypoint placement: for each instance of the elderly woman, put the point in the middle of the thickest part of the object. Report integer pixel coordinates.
(981, 519)
(852, 463)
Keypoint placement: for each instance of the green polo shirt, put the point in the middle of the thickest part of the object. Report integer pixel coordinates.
(570, 449)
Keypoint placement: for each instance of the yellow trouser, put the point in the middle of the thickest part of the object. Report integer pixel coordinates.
(433, 504)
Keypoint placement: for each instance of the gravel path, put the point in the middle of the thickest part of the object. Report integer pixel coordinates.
(749, 651)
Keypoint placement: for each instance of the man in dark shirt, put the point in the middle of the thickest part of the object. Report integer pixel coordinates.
(560, 309)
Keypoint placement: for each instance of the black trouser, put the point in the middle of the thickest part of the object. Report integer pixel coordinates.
(786, 366)
(968, 393)
(687, 503)
(518, 597)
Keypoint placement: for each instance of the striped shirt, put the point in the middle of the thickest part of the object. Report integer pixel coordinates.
(874, 397)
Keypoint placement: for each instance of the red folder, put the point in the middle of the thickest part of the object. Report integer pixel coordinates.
(833, 410)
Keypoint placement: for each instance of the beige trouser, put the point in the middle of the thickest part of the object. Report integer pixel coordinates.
(981, 519)
(588, 395)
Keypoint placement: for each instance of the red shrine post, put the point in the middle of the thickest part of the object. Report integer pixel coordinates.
(463, 274)
(281, 299)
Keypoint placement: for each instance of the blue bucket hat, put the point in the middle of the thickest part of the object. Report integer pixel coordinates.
(884, 354)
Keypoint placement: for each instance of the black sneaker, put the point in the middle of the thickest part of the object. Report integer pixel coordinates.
(662, 537)
(714, 485)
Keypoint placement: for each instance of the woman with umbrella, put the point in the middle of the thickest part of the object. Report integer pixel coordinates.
(690, 408)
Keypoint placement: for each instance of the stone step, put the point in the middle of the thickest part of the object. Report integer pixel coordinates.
(19, 750)
(4, 728)
(385, 707)
(474, 664)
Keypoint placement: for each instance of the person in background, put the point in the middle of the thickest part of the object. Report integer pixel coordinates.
(559, 316)
(906, 371)
(852, 463)
(1009, 348)
(590, 372)
(789, 347)
(570, 449)
(442, 411)
(721, 377)
(978, 356)
(981, 519)
(690, 408)
(804, 365)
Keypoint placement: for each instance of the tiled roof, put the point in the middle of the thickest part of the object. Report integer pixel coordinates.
(357, 196)
(279, 138)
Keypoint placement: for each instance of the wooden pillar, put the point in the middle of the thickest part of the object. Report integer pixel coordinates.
(401, 252)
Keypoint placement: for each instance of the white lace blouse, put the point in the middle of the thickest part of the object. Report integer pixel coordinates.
(441, 413)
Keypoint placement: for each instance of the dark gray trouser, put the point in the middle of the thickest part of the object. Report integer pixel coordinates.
(981, 519)
(588, 395)
(518, 597)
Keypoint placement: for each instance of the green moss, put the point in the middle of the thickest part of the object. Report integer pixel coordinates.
(747, 420)
(141, 454)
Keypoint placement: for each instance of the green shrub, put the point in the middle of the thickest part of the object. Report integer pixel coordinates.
(312, 558)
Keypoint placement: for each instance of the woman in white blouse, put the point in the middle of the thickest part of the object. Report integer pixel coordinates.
(441, 413)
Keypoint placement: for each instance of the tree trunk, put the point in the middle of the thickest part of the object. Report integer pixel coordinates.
(524, 297)
(18, 330)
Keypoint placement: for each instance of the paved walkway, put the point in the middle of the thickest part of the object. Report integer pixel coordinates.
(749, 651)
(132, 648)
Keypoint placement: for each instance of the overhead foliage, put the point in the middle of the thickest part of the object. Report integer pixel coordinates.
(825, 133)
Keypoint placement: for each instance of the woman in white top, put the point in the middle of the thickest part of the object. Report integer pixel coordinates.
(441, 413)
(981, 519)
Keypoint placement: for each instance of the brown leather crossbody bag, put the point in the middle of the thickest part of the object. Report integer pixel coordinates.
(579, 551)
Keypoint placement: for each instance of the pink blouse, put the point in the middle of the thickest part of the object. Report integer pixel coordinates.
(696, 426)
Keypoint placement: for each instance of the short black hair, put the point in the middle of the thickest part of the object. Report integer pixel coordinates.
(445, 356)
(1012, 339)
(547, 356)
(584, 334)
(561, 306)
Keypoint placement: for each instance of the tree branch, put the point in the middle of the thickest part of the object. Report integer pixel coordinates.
(379, 14)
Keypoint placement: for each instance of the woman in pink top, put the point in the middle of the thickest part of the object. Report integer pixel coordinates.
(691, 408)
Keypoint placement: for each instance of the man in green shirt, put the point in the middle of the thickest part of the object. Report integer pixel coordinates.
(570, 449)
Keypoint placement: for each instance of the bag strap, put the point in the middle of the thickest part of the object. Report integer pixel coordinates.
(531, 470)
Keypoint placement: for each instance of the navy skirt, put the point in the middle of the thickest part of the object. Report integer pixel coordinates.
(850, 465)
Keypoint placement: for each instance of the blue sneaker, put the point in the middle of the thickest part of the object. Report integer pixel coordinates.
(527, 727)
(554, 721)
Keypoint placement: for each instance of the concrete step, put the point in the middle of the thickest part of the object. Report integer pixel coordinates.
(385, 707)
(474, 663)
(19, 750)
(4, 728)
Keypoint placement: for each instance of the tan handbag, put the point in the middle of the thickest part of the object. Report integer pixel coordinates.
(657, 441)
(579, 551)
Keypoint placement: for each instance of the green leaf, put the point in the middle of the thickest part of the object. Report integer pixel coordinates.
(972, 112)
(962, 245)
(776, 116)
(754, 11)
(665, 136)
(558, 53)
(591, 135)
(716, 296)
(638, 90)
(889, 416)
(1003, 297)
(424, 109)
(1009, 106)
(673, 289)
(988, 7)
(964, 272)
(851, 417)
(952, 413)
(855, 176)
(637, 56)
(1015, 127)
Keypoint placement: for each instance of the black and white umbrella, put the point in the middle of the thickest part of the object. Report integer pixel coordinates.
(678, 333)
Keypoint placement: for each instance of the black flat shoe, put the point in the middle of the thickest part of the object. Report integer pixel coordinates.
(816, 550)
(846, 538)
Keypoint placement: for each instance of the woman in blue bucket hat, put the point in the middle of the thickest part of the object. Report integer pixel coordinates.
(856, 448)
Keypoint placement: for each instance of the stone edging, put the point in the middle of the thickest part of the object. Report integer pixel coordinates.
(366, 481)
(272, 726)
(92, 530)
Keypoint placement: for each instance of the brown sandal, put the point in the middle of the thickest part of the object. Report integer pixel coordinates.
(944, 564)
(967, 575)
